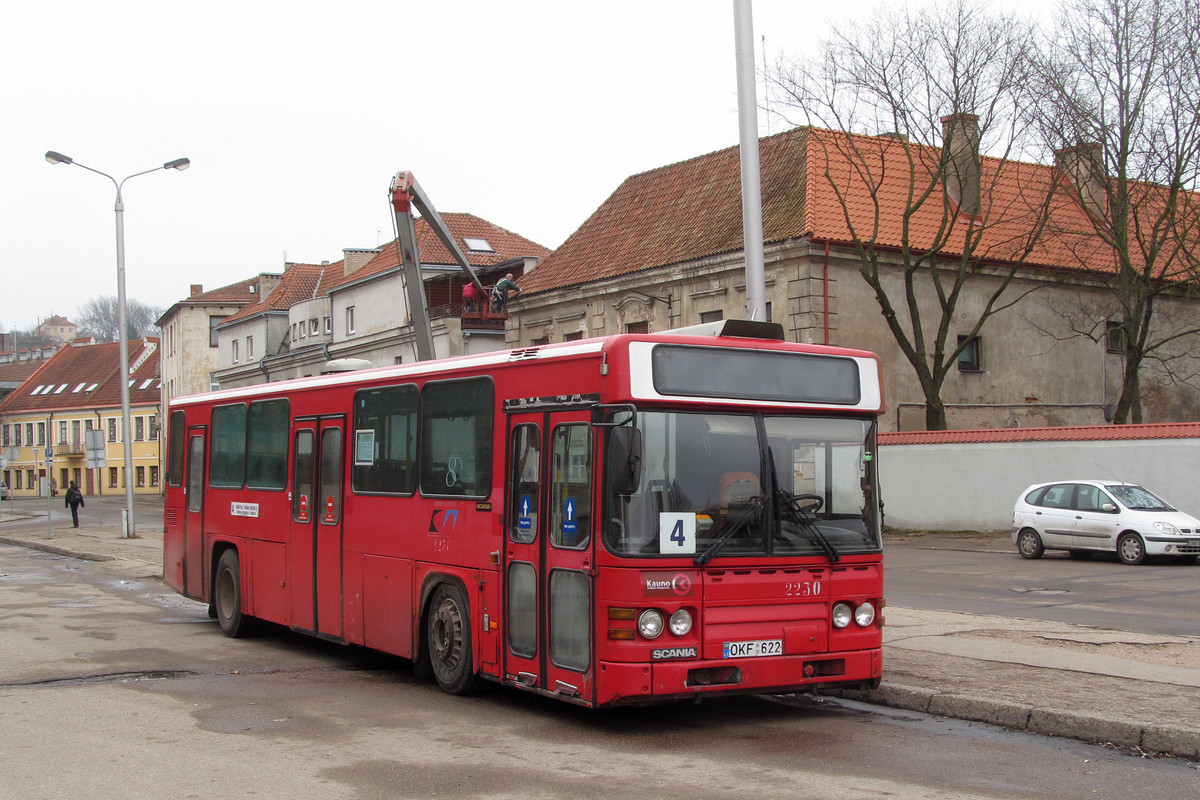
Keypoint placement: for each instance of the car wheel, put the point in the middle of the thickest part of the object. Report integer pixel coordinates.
(1080, 555)
(449, 640)
(1131, 549)
(1029, 544)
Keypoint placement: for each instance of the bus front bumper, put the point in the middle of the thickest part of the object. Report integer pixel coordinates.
(622, 683)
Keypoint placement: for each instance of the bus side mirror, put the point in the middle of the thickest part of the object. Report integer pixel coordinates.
(625, 460)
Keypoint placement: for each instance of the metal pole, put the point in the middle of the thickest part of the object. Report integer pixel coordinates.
(49, 478)
(123, 338)
(752, 232)
(129, 529)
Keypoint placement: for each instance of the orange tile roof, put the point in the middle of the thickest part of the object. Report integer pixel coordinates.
(1079, 433)
(299, 282)
(692, 209)
(506, 246)
(88, 376)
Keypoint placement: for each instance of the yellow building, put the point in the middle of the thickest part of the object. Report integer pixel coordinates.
(75, 392)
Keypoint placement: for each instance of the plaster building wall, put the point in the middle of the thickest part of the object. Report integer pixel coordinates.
(973, 486)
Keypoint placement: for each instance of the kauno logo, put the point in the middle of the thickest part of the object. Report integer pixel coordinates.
(443, 520)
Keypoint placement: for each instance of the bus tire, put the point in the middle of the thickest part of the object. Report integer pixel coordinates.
(448, 638)
(227, 596)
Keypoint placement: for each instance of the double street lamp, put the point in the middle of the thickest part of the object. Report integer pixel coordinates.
(123, 334)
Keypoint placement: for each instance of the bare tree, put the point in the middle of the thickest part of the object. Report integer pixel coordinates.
(1119, 87)
(943, 85)
(101, 318)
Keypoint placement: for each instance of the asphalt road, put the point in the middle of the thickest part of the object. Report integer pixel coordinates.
(115, 687)
(984, 575)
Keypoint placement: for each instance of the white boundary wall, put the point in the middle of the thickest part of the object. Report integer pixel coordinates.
(972, 486)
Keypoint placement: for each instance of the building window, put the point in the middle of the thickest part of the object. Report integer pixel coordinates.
(152, 424)
(328, 325)
(112, 477)
(153, 476)
(313, 330)
(234, 343)
(62, 431)
(213, 322)
(637, 327)
(1114, 335)
(350, 319)
(541, 340)
(140, 472)
(712, 316)
(970, 360)
(572, 336)
(303, 331)
(139, 429)
(249, 347)
(29, 434)
(112, 429)
(7, 435)
(41, 434)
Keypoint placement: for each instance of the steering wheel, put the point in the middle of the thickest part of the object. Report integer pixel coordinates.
(813, 504)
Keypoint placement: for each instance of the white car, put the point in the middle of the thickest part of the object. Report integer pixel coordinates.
(1085, 517)
(3, 490)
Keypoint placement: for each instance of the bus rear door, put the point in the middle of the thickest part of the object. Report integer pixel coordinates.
(315, 552)
(548, 553)
(193, 518)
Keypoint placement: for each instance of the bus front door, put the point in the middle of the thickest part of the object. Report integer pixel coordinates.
(315, 550)
(548, 553)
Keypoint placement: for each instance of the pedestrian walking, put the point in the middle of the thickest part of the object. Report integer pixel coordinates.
(74, 500)
(501, 290)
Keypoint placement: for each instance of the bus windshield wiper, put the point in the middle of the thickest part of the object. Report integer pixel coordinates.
(752, 511)
(796, 513)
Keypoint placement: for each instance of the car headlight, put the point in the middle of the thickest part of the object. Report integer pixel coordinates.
(681, 622)
(842, 614)
(650, 623)
(864, 615)
(1167, 528)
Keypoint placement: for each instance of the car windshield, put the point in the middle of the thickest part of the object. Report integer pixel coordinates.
(708, 489)
(1138, 499)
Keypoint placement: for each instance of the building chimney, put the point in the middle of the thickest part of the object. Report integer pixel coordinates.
(267, 281)
(197, 290)
(960, 143)
(355, 258)
(1084, 165)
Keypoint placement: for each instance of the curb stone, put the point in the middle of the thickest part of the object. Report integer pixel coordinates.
(1152, 739)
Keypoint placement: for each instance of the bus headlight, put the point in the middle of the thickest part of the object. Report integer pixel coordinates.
(842, 614)
(650, 623)
(681, 622)
(864, 615)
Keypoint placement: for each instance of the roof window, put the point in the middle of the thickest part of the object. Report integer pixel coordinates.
(38, 390)
(60, 389)
(146, 384)
(478, 245)
(79, 388)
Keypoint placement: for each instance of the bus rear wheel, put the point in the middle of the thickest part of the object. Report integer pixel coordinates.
(227, 596)
(448, 635)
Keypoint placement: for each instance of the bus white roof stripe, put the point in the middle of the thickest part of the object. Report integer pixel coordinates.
(418, 368)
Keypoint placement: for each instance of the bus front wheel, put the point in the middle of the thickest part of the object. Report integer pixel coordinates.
(227, 596)
(449, 638)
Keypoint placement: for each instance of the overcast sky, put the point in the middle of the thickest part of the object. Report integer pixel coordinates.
(295, 117)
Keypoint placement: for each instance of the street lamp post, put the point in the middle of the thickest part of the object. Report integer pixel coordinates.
(123, 334)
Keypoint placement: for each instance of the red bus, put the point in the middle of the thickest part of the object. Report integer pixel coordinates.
(623, 520)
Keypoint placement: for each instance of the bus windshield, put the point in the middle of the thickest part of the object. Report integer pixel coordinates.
(745, 485)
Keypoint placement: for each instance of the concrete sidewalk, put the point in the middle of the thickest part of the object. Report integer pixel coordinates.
(1128, 689)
